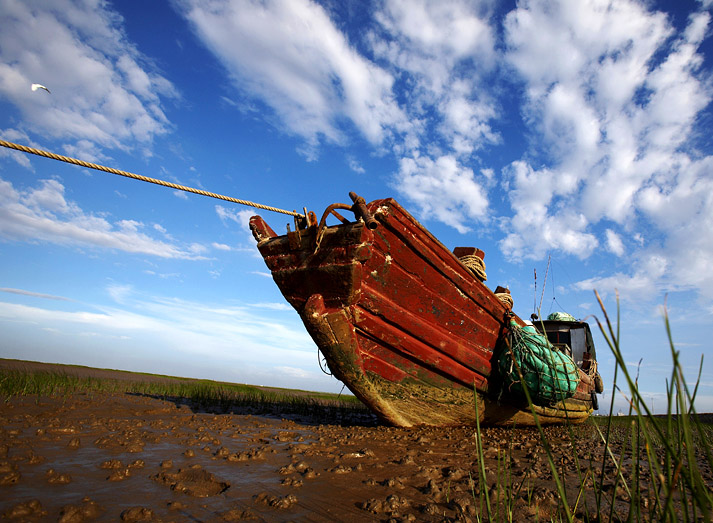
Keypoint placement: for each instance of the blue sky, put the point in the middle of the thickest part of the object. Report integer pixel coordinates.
(578, 132)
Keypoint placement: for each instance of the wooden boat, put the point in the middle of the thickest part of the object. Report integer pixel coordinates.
(402, 321)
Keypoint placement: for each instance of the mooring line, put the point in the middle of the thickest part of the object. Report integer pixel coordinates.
(89, 165)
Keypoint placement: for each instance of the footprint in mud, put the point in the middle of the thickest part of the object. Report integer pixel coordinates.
(8, 474)
(275, 501)
(194, 481)
(247, 455)
(284, 436)
(237, 514)
(85, 511)
(139, 514)
(26, 511)
(292, 482)
(56, 478)
(111, 464)
(119, 474)
(392, 505)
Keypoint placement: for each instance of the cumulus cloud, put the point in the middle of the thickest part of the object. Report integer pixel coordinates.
(445, 53)
(612, 91)
(537, 195)
(294, 58)
(104, 92)
(609, 93)
(428, 43)
(644, 283)
(43, 214)
(444, 189)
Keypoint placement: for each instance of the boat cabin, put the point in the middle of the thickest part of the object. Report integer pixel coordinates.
(571, 337)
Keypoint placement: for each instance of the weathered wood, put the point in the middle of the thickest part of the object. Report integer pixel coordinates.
(400, 320)
(468, 251)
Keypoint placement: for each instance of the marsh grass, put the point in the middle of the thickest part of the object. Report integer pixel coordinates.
(206, 394)
(650, 468)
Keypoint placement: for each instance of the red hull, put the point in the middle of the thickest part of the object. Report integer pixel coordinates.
(400, 320)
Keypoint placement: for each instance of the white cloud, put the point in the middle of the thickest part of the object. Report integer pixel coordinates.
(103, 91)
(212, 331)
(315, 80)
(433, 47)
(292, 56)
(44, 214)
(242, 217)
(355, 166)
(429, 39)
(614, 243)
(644, 284)
(613, 93)
(222, 341)
(443, 189)
(610, 96)
(272, 306)
(15, 135)
(32, 294)
(119, 292)
(294, 372)
(535, 228)
(221, 246)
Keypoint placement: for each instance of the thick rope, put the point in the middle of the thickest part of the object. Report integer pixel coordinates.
(139, 177)
(475, 265)
(505, 298)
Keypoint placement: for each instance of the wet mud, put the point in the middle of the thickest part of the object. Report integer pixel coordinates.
(124, 457)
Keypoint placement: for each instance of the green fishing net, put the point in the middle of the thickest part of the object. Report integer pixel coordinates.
(550, 375)
(561, 316)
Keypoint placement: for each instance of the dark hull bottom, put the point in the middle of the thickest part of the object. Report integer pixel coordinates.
(411, 402)
(408, 404)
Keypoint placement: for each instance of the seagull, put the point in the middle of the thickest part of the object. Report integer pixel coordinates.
(39, 86)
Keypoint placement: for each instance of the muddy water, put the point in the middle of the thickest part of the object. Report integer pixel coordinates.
(105, 455)
(122, 457)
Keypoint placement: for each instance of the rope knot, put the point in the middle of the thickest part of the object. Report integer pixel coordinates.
(475, 265)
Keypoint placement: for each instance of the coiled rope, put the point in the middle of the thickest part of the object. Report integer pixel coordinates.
(506, 299)
(82, 163)
(475, 265)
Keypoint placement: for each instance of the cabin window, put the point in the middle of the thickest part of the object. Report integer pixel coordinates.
(558, 338)
(574, 339)
(579, 345)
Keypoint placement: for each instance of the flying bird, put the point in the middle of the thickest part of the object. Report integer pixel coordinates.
(39, 86)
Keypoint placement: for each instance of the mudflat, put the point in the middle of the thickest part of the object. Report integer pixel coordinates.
(130, 457)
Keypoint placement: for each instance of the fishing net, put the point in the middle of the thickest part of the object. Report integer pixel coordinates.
(561, 316)
(550, 375)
